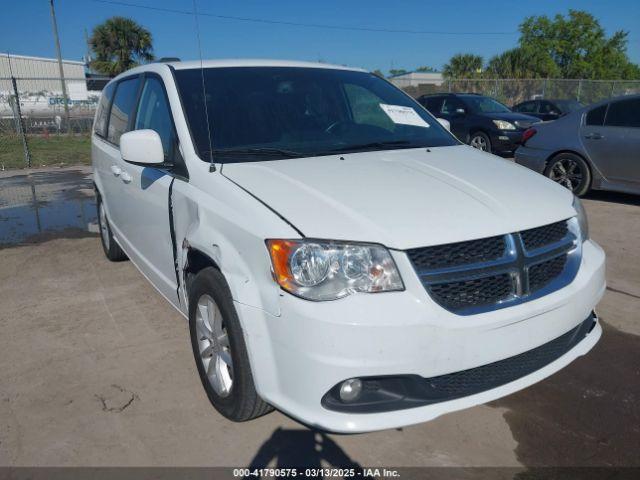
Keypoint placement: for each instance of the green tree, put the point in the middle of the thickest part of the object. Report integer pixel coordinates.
(578, 46)
(521, 62)
(463, 65)
(426, 69)
(119, 44)
(397, 71)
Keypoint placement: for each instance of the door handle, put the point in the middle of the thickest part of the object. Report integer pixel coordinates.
(594, 136)
(116, 170)
(126, 178)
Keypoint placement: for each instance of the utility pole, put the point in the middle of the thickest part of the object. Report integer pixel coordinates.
(87, 59)
(65, 97)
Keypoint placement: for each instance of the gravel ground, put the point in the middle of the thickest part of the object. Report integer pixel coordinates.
(97, 368)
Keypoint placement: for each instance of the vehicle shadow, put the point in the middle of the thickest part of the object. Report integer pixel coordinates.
(287, 448)
(613, 197)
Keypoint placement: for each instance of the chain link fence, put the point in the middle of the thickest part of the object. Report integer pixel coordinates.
(513, 91)
(38, 127)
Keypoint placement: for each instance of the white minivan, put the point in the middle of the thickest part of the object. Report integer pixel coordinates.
(339, 255)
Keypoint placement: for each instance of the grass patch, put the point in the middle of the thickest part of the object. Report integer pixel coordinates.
(55, 150)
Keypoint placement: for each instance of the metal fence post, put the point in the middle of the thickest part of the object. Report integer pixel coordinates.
(20, 123)
(579, 90)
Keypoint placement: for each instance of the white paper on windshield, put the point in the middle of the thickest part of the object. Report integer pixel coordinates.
(404, 115)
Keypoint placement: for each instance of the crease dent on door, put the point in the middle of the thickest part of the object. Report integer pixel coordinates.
(172, 232)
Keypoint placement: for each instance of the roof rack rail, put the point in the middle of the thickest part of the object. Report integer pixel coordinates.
(167, 60)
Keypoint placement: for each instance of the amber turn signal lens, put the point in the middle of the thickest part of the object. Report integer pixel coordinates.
(280, 251)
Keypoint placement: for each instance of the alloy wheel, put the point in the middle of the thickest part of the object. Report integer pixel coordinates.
(480, 143)
(567, 173)
(213, 345)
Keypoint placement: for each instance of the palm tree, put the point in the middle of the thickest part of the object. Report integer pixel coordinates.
(463, 65)
(118, 45)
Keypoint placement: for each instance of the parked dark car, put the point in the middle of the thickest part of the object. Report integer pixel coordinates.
(480, 121)
(548, 109)
(597, 147)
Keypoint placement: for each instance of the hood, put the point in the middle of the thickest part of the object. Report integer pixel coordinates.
(405, 198)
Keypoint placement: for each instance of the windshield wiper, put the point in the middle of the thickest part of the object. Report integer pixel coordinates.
(378, 145)
(259, 151)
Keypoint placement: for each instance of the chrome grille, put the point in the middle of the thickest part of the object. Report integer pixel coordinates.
(496, 272)
(461, 253)
(542, 273)
(470, 293)
(542, 236)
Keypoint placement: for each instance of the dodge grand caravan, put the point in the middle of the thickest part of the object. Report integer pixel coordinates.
(338, 254)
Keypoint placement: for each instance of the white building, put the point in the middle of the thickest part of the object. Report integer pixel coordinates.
(414, 79)
(40, 88)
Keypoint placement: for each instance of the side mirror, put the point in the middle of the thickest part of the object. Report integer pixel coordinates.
(142, 146)
(445, 123)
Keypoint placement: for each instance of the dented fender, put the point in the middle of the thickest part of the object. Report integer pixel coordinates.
(221, 221)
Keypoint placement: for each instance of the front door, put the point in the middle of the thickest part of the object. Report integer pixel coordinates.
(454, 111)
(613, 145)
(146, 225)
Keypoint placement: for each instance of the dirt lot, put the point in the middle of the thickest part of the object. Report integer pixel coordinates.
(97, 367)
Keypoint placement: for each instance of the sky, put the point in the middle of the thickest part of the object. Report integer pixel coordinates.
(483, 28)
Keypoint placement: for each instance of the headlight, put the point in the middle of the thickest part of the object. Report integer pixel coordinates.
(504, 125)
(582, 218)
(328, 270)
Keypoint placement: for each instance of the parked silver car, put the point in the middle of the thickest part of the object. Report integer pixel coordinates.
(597, 147)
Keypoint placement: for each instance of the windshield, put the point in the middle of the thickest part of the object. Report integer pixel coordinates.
(479, 104)
(287, 112)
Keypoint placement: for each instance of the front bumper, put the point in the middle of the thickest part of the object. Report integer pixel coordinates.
(505, 141)
(299, 356)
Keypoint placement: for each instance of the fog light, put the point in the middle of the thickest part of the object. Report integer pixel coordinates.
(350, 389)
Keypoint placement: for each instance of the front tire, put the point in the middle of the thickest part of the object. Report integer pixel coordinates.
(481, 141)
(111, 248)
(570, 171)
(219, 349)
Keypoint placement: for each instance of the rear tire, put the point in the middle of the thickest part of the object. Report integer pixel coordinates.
(219, 349)
(571, 171)
(481, 141)
(111, 248)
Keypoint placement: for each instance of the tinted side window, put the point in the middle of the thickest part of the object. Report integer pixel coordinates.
(100, 124)
(527, 107)
(123, 103)
(450, 105)
(547, 107)
(624, 113)
(433, 104)
(154, 114)
(596, 116)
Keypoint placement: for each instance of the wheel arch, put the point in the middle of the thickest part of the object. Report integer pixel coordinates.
(196, 261)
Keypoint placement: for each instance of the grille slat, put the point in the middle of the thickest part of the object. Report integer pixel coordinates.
(541, 274)
(543, 236)
(456, 254)
(469, 293)
(494, 272)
